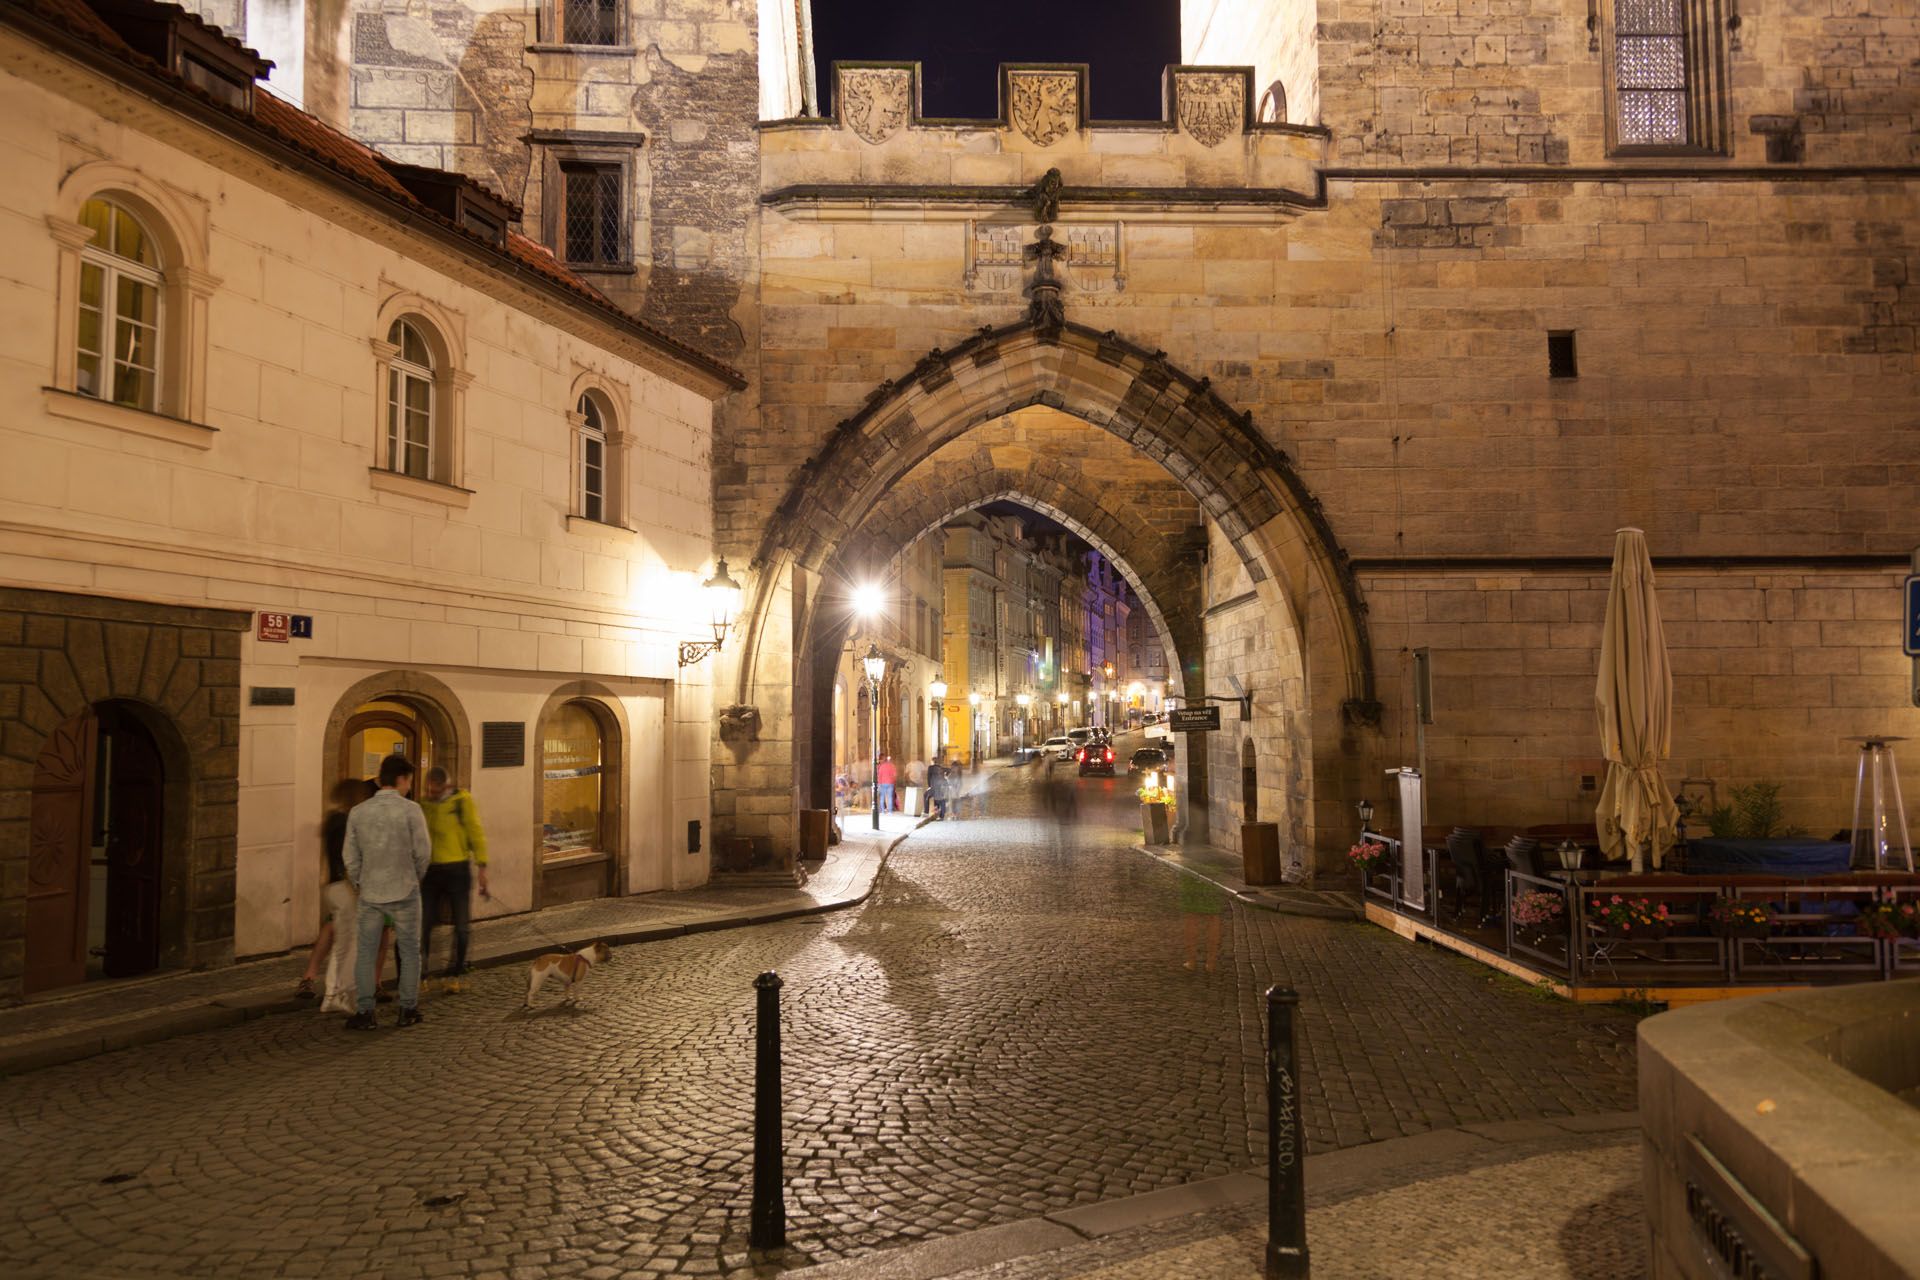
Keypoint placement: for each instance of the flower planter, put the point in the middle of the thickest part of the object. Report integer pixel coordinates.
(1654, 932)
(1156, 823)
(1759, 932)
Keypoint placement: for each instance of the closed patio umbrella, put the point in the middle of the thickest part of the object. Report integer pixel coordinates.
(1635, 701)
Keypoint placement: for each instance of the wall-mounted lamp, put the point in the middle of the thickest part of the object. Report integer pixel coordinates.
(723, 601)
(1365, 809)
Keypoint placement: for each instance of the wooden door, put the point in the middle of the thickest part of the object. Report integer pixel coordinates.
(59, 830)
(134, 812)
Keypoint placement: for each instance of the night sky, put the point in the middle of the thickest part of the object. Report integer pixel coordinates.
(1128, 43)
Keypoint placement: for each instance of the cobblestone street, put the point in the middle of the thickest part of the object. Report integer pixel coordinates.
(1005, 1028)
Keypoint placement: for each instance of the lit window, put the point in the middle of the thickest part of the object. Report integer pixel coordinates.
(571, 785)
(593, 459)
(117, 346)
(1650, 73)
(410, 394)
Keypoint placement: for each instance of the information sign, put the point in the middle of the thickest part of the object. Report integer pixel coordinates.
(1193, 719)
(275, 627)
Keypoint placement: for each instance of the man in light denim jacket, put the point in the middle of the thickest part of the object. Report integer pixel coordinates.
(387, 852)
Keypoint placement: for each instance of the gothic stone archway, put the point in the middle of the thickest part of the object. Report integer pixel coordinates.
(1246, 486)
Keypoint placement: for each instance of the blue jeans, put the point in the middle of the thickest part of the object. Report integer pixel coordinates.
(372, 918)
(886, 796)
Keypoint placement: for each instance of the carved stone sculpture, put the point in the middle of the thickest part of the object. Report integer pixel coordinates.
(1046, 196)
(875, 101)
(1044, 105)
(740, 723)
(1213, 106)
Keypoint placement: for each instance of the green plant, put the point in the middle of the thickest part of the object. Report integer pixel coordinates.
(1755, 814)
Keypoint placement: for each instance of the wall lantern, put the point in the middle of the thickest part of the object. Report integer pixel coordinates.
(723, 602)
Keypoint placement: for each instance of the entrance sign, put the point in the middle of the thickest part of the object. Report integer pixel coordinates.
(275, 627)
(1193, 719)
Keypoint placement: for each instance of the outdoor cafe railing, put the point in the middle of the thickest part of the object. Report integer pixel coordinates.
(1675, 947)
(1385, 883)
(1809, 932)
(1547, 945)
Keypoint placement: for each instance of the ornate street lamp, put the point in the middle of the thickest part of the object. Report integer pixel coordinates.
(1365, 809)
(938, 691)
(876, 667)
(723, 601)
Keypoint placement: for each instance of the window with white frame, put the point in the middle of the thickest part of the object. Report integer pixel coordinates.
(592, 470)
(117, 338)
(410, 407)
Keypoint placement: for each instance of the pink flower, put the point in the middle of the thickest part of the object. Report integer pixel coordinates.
(1616, 897)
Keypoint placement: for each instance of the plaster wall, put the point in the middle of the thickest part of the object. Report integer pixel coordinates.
(271, 505)
(1279, 39)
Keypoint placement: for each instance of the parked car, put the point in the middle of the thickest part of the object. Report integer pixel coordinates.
(1061, 748)
(1152, 717)
(1147, 760)
(1096, 758)
(1082, 736)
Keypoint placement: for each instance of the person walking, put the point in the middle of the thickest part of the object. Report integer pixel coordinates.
(333, 946)
(883, 780)
(387, 851)
(459, 847)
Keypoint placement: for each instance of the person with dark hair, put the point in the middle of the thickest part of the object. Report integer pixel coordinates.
(387, 851)
(459, 847)
(336, 898)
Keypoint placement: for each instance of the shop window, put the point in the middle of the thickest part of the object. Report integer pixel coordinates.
(572, 784)
(117, 342)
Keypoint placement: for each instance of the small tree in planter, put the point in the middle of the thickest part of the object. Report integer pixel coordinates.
(1156, 811)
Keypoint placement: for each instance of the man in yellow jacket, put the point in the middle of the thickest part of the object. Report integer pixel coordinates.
(459, 845)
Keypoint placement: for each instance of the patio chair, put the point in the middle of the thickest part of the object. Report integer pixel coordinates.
(1523, 855)
(1469, 882)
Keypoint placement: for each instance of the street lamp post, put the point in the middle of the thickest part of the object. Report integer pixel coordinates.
(973, 731)
(1060, 701)
(938, 691)
(876, 667)
(1023, 701)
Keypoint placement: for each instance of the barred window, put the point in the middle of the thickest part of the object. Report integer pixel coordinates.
(590, 21)
(593, 211)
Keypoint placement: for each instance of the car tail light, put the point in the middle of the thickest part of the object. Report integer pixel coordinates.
(1109, 755)
(1080, 754)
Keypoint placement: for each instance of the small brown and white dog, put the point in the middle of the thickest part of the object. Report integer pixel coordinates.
(569, 970)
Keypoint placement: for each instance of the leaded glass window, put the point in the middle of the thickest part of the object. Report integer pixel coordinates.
(590, 21)
(117, 351)
(592, 195)
(410, 402)
(1650, 73)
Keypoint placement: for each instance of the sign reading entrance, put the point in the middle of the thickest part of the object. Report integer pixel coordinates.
(1193, 719)
(275, 627)
(1912, 642)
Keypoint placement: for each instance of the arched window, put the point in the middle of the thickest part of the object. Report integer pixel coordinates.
(591, 482)
(410, 397)
(117, 343)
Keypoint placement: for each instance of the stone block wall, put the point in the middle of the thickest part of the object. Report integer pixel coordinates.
(1462, 82)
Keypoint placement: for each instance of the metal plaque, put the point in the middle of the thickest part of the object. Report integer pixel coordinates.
(263, 695)
(1733, 1228)
(503, 744)
(300, 626)
(274, 627)
(1193, 719)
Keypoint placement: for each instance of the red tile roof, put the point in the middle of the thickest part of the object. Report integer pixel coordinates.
(285, 124)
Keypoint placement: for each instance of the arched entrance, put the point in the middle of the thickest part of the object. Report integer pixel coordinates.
(103, 803)
(1245, 485)
(406, 711)
(384, 727)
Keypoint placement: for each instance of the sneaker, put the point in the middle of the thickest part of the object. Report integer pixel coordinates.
(411, 1018)
(362, 1022)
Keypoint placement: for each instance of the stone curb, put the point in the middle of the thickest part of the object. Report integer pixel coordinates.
(1332, 1176)
(1259, 896)
(229, 1010)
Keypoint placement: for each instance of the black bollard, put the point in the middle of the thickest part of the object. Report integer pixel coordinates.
(768, 1224)
(1286, 1156)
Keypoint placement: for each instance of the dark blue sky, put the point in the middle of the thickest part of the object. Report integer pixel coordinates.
(1127, 42)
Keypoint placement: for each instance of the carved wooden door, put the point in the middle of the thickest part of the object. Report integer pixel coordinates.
(136, 834)
(58, 856)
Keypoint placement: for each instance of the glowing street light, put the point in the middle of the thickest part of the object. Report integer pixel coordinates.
(869, 599)
(938, 692)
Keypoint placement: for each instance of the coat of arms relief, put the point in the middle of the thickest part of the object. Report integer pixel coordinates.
(1213, 106)
(875, 101)
(1043, 105)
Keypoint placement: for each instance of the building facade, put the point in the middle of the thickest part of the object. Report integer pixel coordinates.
(311, 460)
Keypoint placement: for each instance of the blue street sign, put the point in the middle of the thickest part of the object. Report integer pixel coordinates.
(300, 627)
(1912, 643)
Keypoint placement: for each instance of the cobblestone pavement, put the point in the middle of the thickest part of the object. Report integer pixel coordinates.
(1004, 1028)
(1567, 1214)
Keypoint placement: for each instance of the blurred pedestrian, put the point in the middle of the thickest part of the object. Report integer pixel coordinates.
(387, 851)
(883, 780)
(459, 848)
(333, 945)
(937, 789)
